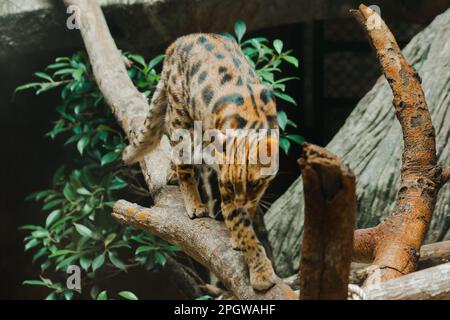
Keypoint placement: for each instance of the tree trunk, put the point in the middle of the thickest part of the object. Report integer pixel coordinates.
(370, 142)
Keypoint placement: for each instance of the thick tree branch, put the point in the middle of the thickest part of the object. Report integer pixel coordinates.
(205, 240)
(398, 239)
(428, 284)
(330, 205)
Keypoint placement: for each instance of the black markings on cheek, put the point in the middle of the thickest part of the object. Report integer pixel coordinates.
(176, 123)
(239, 82)
(219, 56)
(202, 76)
(266, 96)
(247, 222)
(207, 94)
(233, 215)
(226, 78)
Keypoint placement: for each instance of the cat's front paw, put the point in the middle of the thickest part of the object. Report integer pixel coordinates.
(198, 212)
(264, 278)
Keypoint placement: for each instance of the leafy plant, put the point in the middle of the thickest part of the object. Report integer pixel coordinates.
(78, 228)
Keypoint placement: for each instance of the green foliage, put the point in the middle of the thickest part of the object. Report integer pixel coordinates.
(77, 226)
(267, 59)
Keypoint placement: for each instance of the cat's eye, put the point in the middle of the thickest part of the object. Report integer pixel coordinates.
(252, 184)
(229, 185)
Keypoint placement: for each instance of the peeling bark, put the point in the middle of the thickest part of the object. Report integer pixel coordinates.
(205, 240)
(330, 205)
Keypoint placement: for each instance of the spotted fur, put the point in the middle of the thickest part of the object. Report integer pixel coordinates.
(207, 78)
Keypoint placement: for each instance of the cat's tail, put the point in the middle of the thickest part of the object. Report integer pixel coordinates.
(153, 128)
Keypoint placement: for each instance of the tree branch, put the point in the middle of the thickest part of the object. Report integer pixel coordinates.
(330, 205)
(429, 284)
(204, 239)
(397, 239)
(201, 239)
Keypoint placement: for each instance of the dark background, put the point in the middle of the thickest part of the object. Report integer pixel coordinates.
(337, 68)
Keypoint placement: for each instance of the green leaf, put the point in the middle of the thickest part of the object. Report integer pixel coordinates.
(282, 119)
(83, 191)
(285, 97)
(137, 58)
(64, 72)
(85, 262)
(31, 244)
(83, 230)
(239, 29)
(44, 76)
(160, 258)
(292, 60)
(98, 262)
(141, 249)
(116, 261)
(27, 86)
(68, 294)
(155, 61)
(69, 193)
(291, 123)
(82, 143)
(296, 138)
(128, 295)
(278, 45)
(102, 295)
(109, 157)
(58, 65)
(51, 296)
(52, 217)
(61, 252)
(34, 283)
(285, 144)
(110, 238)
(52, 204)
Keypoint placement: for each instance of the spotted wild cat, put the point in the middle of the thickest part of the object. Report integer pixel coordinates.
(207, 78)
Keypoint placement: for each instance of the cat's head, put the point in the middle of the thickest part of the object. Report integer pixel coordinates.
(242, 182)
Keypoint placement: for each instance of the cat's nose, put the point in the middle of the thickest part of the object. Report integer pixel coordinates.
(239, 203)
